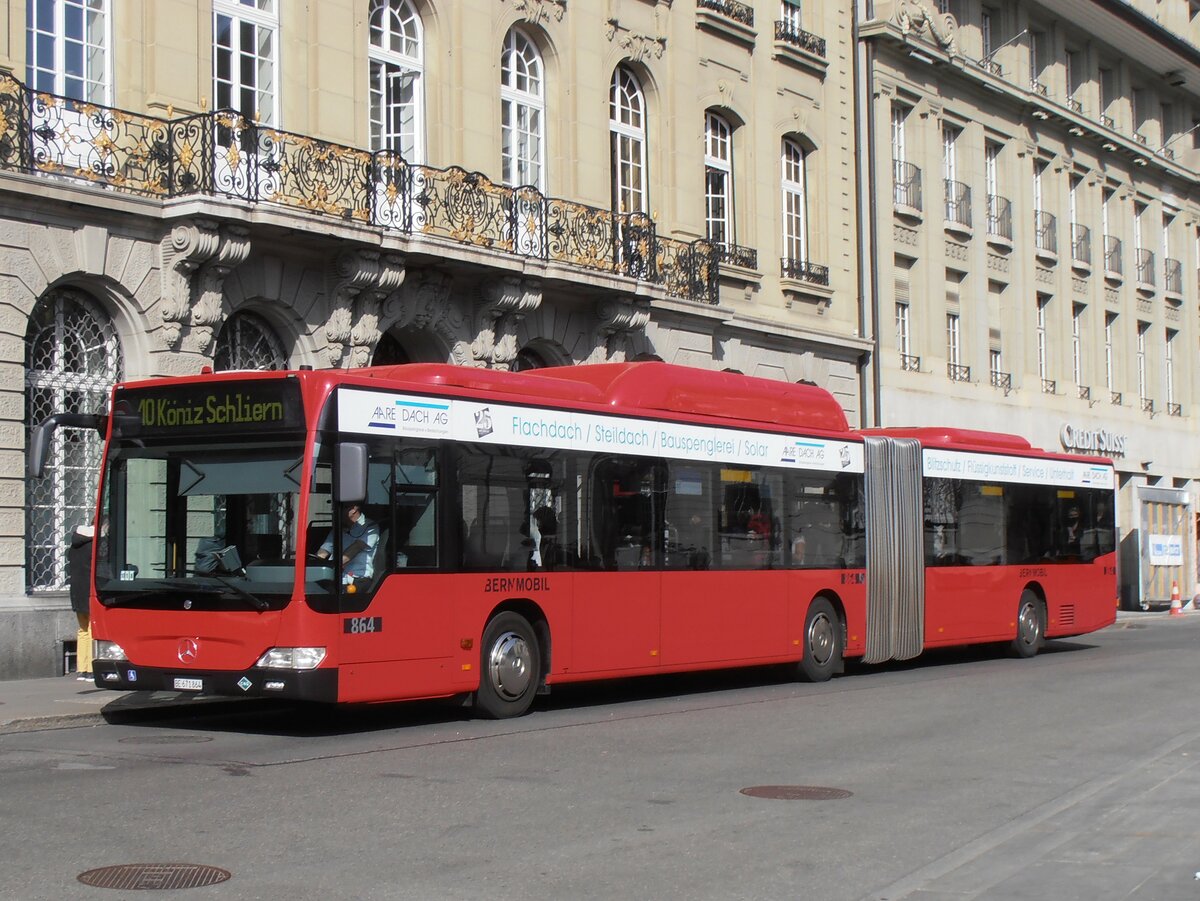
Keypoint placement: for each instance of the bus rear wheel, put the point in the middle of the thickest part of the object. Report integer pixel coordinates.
(1031, 625)
(822, 655)
(510, 667)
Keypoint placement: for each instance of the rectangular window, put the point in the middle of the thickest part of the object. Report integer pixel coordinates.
(244, 63)
(995, 363)
(1077, 311)
(789, 15)
(953, 346)
(1143, 380)
(1110, 324)
(1169, 367)
(66, 49)
(1043, 365)
(718, 179)
(903, 334)
(795, 213)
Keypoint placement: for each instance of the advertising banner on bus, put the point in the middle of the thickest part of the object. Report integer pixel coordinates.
(368, 412)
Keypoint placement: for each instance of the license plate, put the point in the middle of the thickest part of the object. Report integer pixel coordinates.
(188, 684)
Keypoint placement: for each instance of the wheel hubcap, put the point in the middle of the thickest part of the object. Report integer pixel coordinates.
(509, 664)
(1029, 624)
(820, 639)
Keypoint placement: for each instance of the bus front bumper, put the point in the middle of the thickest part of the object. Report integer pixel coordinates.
(311, 685)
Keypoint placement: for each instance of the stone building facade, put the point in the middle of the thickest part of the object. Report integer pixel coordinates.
(1032, 244)
(495, 183)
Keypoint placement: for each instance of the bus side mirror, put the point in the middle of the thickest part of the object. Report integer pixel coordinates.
(350, 480)
(43, 435)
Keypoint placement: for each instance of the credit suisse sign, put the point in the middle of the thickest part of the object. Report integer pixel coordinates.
(1092, 441)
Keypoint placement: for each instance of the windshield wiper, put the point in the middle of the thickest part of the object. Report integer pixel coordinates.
(259, 603)
(159, 589)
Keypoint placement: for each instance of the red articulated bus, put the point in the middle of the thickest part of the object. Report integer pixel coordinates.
(428, 531)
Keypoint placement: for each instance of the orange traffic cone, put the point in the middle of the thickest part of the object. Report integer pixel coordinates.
(1176, 608)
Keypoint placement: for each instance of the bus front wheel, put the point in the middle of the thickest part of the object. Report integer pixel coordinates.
(822, 654)
(1031, 625)
(510, 667)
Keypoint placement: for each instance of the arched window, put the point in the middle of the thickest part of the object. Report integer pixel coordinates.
(246, 341)
(795, 202)
(72, 360)
(718, 179)
(627, 136)
(528, 358)
(522, 112)
(397, 86)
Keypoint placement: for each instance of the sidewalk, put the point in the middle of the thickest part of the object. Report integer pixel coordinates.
(63, 701)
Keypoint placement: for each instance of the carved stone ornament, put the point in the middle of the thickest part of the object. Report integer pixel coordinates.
(620, 320)
(918, 15)
(197, 257)
(506, 302)
(535, 11)
(360, 280)
(638, 46)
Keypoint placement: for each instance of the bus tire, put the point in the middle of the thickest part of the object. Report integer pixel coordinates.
(1031, 625)
(822, 653)
(510, 667)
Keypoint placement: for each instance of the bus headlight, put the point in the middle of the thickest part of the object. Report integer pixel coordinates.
(107, 650)
(291, 658)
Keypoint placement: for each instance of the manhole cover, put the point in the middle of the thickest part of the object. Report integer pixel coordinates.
(164, 739)
(796, 792)
(157, 876)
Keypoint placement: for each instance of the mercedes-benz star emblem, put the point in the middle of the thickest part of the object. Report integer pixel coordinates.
(188, 649)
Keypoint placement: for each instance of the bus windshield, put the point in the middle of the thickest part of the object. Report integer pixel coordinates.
(219, 520)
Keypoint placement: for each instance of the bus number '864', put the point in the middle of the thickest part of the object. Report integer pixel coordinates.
(361, 625)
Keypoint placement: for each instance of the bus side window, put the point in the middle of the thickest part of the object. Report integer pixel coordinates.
(415, 510)
(627, 514)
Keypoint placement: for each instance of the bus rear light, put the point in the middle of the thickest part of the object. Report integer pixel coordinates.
(107, 650)
(291, 658)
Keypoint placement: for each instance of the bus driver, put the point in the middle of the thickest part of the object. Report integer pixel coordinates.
(360, 537)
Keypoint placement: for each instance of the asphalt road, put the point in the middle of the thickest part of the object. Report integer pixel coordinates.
(970, 775)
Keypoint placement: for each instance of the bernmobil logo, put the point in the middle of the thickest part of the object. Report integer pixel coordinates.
(845, 456)
(383, 418)
(483, 422)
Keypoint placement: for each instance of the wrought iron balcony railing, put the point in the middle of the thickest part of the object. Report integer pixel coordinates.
(1145, 266)
(1108, 121)
(999, 217)
(990, 65)
(1084, 392)
(1002, 380)
(1174, 409)
(910, 363)
(1038, 88)
(797, 37)
(737, 255)
(1112, 255)
(804, 271)
(731, 9)
(1049, 386)
(1045, 230)
(1148, 405)
(225, 154)
(1140, 138)
(1076, 106)
(906, 184)
(1081, 244)
(1172, 276)
(958, 373)
(1116, 398)
(958, 203)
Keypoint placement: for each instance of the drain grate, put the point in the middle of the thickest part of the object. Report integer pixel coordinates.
(163, 739)
(796, 792)
(154, 876)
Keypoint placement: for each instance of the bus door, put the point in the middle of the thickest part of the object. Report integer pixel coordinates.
(618, 604)
(895, 562)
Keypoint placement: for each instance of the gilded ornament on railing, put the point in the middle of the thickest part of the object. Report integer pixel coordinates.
(222, 153)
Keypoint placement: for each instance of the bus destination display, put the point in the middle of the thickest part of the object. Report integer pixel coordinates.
(218, 407)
